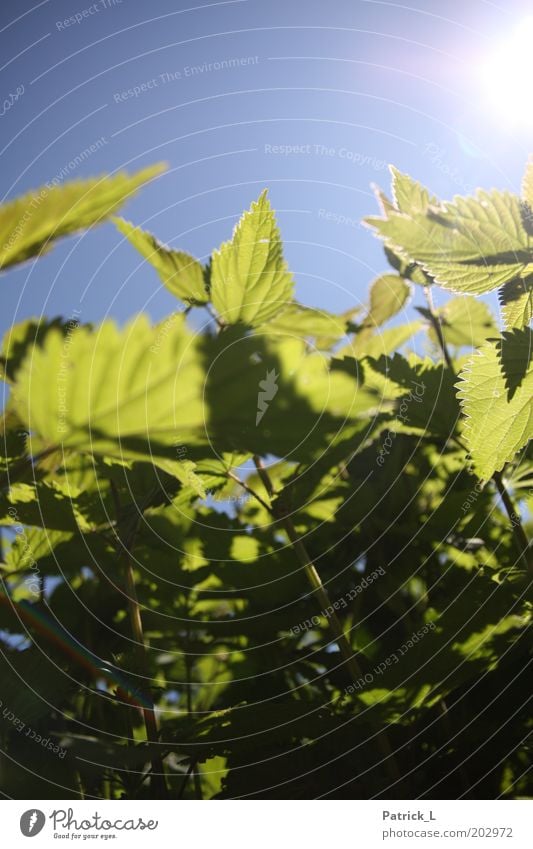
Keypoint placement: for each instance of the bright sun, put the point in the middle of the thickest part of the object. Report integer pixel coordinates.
(507, 77)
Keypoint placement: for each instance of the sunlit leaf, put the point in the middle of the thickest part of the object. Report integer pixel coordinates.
(29, 225)
(388, 294)
(119, 392)
(470, 246)
(464, 322)
(496, 393)
(250, 281)
(180, 273)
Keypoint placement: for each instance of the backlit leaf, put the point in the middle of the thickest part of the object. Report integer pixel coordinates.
(470, 246)
(496, 393)
(29, 225)
(180, 273)
(250, 281)
(388, 294)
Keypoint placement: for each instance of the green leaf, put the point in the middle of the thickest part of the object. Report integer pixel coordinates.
(409, 195)
(39, 504)
(407, 269)
(145, 392)
(271, 395)
(30, 224)
(382, 342)
(464, 321)
(527, 184)
(128, 393)
(180, 273)
(33, 545)
(470, 246)
(309, 323)
(425, 401)
(388, 294)
(496, 393)
(20, 338)
(250, 281)
(12, 438)
(481, 621)
(516, 299)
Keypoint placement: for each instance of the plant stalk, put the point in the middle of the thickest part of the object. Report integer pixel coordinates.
(520, 537)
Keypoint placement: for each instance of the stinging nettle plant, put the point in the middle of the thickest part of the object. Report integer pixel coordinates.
(285, 556)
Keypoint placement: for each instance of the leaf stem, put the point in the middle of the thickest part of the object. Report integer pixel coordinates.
(249, 490)
(218, 321)
(519, 534)
(437, 327)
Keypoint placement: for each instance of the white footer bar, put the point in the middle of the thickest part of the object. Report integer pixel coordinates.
(268, 824)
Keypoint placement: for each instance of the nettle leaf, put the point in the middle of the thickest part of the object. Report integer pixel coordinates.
(479, 623)
(527, 184)
(12, 438)
(407, 269)
(516, 299)
(30, 224)
(464, 321)
(310, 323)
(383, 341)
(40, 504)
(127, 393)
(409, 195)
(181, 274)
(148, 433)
(22, 336)
(425, 400)
(35, 544)
(496, 392)
(271, 395)
(470, 246)
(250, 280)
(388, 294)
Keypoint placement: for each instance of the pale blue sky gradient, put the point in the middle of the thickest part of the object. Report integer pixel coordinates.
(352, 85)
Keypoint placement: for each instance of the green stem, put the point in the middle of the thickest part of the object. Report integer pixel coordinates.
(437, 327)
(520, 537)
(218, 321)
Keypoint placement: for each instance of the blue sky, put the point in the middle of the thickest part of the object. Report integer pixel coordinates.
(307, 98)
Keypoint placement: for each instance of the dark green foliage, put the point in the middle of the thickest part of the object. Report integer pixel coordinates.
(286, 558)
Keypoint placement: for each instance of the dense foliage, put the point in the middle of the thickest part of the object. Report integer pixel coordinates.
(283, 556)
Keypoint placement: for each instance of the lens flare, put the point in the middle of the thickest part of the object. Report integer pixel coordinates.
(506, 77)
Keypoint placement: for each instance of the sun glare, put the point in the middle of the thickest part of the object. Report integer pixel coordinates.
(507, 75)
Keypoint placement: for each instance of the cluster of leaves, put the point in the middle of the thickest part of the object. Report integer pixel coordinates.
(282, 557)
